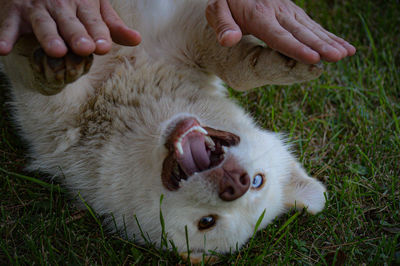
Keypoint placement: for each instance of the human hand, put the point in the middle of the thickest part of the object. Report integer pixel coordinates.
(281, 24)
(84, 26)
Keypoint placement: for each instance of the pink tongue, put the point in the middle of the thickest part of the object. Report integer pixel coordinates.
(195, 157)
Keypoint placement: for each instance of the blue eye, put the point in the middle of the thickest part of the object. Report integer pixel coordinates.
(258, 181)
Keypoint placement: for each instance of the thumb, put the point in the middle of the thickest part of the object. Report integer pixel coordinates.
(220, 18)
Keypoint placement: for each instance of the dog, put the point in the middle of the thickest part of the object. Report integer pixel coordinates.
(150, 129)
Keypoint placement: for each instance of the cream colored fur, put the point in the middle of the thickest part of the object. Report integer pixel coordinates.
(103, 136)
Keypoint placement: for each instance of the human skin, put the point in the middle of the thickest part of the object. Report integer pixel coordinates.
(85, 26)
(280, 24)
(90, 26)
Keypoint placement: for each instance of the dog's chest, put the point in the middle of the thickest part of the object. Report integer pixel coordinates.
(138, 98)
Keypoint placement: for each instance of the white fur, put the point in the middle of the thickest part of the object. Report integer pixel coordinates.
(104, 134)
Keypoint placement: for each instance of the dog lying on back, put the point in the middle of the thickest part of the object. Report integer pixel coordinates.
(125, 128)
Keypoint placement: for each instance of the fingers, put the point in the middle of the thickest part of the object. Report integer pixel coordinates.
(318, 41)
(91, 19)
(120, 33)
(351, 50)
(329, 46)
(45, 30)
(85, 27)
(219, 16)
(281, 25)
(72, 30)
(9, 31)
(267, 28)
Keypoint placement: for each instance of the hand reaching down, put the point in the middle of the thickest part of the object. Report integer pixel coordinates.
(84, 26)
(281, 24)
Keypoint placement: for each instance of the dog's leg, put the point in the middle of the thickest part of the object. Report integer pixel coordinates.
(43, 73)
(302, 191)
(48, 123)
(251, 64)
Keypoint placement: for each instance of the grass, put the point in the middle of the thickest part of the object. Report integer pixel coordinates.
(346, 130)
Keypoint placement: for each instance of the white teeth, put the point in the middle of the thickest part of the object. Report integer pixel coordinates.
(210, 143)
(179, 147)
(201, 130)
(195, 128)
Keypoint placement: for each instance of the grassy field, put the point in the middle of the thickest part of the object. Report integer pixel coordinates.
(346, 131)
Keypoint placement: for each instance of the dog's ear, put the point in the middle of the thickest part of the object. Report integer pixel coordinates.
(302, 191)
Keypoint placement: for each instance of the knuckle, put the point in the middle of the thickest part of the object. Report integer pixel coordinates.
(282, 11)
(76, 36)
(278, 33)
(320, 44)
(47, 37)
(59, 3)
(297, 30)
(213, 6)
(86, 3)
(260, 9)
(222, 27)
(71, 19)
(94, 22)
(38, 19)
(212, 9)
(317, 27)
(330, 41)
(258, 12)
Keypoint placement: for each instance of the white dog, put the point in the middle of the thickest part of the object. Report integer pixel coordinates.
(153, 120)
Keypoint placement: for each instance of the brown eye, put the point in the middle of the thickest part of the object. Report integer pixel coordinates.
(207, 222)
(258, 181)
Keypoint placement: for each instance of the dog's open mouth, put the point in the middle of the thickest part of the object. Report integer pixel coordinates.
(193, 149)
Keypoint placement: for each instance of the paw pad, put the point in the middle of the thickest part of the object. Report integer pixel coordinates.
(53, 74)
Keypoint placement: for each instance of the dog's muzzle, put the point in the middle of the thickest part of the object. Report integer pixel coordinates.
(196, 149)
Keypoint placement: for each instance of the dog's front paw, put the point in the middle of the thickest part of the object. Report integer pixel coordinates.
(53, 74)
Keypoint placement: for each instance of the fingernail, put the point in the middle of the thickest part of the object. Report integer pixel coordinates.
(308, 50)
(311, 56)
(3, 45)
(56, 43)
(229, 37)
(350, 48)
(101, 42)
(102, 46)
(225, 33)
(328, 49)
(82, 41)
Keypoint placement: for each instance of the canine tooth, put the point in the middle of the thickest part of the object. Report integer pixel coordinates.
(195, 128)
(179, 147)
(210, 143)
(200, 129)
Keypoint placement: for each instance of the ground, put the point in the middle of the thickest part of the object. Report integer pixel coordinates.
(345, 128)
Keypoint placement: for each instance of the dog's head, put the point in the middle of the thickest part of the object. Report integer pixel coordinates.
(218, 183)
